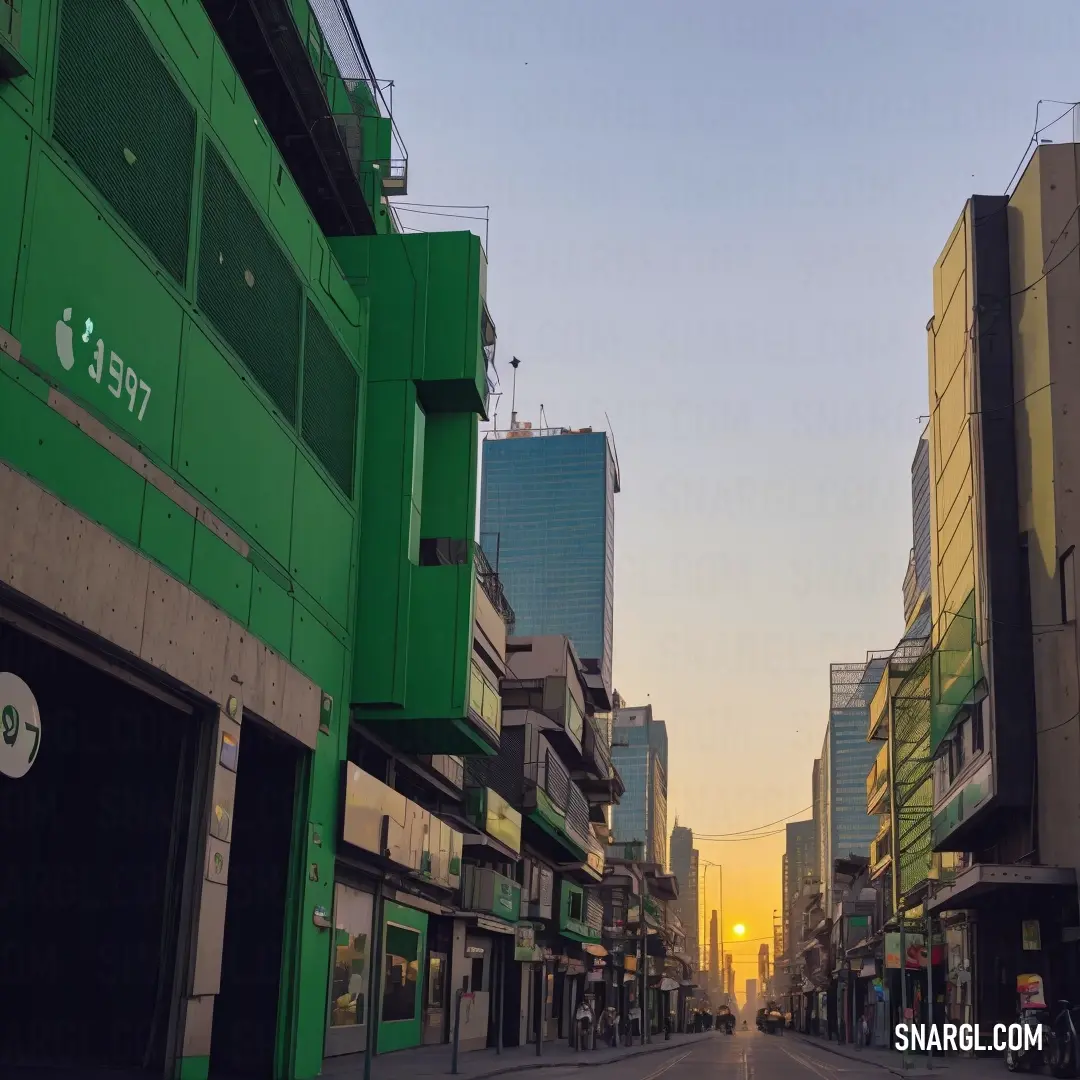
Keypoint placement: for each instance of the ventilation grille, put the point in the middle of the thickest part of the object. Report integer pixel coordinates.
(247, 287)
(331, 393)
(126, 125)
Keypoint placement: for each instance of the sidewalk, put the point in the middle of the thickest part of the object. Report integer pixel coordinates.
(434, 1061)
(949, 1068)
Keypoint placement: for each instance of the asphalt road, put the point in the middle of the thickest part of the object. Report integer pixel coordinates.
(747, 1055)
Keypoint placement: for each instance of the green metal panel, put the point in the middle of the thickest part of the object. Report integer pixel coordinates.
(41, 443)
(111, 339)
(184, 32)
(289, 213)
(271, 613)
(322, 541)
(399, 921)
(426, 305)
(440, 641)
(392, 420)
(15, 153)
(233, 449)
(168, 533)
(237, 124)
(450, 475)
(192, 1068)
(315, 651)
(221, 574)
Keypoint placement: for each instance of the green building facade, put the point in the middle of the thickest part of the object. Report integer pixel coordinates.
(238, 480)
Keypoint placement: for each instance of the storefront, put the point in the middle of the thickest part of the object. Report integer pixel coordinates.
(392, 946)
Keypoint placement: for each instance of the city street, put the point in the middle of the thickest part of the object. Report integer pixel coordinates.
(749, 1055)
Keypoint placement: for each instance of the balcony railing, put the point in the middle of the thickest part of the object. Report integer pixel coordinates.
(493, 589)
(877, 780)
(354, 66)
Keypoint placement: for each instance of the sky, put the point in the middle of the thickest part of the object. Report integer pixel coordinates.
(715, 224)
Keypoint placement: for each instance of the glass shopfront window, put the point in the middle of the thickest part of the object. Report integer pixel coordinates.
(350, 969)
(400, 972)
(352, 946)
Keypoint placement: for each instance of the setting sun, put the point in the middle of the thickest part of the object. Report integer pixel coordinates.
(738, 929)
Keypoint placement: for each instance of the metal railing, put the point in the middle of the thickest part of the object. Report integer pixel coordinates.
(493, 589)
(343, 39)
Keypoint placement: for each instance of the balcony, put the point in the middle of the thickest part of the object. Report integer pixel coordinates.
(576, 921)
(296, 75)
(877, 782)
(547, 688)
(379, 820)
(881, 849)
(529, 775)
(494, 817)
(488, 893)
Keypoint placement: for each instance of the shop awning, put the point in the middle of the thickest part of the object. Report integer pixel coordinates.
(572, 935)
(975, 886)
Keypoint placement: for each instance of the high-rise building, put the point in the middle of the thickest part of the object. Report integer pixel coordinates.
(639, 750)
(846, 757)
(684, 865)
(751, 1002)
(800, 863)
(547, 524)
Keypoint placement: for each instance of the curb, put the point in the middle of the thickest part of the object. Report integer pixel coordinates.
(532, 1066)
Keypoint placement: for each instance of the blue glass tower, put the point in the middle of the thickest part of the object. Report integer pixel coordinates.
(547, 524)
(639, 750)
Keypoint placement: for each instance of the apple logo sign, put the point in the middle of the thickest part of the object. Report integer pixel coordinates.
(64, 351)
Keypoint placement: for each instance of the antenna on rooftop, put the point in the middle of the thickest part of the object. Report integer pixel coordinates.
(515, 364)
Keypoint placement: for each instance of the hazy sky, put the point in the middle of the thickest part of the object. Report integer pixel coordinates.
(716, 222)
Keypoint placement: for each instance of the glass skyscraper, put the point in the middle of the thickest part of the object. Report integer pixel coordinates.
(846, 759)
(547, 524)
(639, 750)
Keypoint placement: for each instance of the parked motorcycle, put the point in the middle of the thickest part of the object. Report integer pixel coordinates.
(1061, 1042)
(1030, 1057)
(584, 1020)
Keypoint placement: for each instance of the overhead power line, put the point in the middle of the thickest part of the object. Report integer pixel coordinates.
(756, 828)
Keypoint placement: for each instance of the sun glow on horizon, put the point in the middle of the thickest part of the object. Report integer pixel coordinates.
(738, 929)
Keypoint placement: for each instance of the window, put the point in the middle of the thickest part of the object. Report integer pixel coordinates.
(400, 974)
(958, 746)
(978, 735)
(348, 988)
(574, 907)
(1068, 587)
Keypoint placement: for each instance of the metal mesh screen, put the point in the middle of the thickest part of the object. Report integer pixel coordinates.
(126, 125)
(577, 808)
(556, 777)
(331, 400)
(247, 287)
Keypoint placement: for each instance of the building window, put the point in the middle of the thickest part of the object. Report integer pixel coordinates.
(1068, 587)
(352, 921)
(978, 734)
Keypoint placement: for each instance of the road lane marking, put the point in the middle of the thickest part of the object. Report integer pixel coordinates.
(807, 1063)
(664, 1068)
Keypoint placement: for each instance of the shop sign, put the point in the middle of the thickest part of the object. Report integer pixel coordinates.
(595, 977)
(474, 950)
(914, 947)
(1032, 936)
(525, 950)
(1030, 989)
(20, 726)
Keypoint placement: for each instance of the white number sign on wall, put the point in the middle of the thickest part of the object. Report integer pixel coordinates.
(20, 726)
(120, 379)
